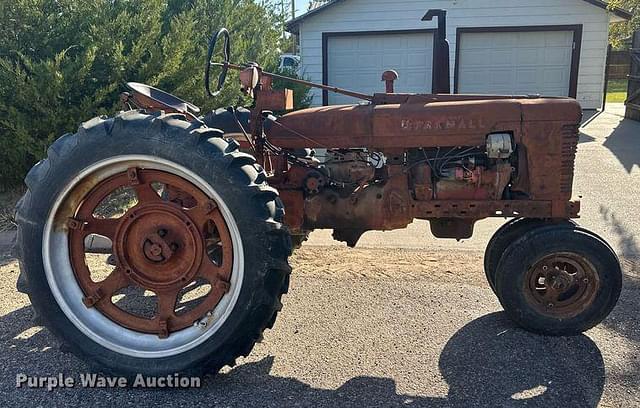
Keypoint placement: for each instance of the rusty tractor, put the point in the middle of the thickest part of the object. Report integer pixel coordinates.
(157, 241)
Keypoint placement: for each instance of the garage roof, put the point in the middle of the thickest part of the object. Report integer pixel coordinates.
(292, 25)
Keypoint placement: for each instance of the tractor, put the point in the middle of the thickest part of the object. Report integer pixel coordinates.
(193, 217)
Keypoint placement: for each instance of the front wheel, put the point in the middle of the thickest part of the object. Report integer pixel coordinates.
(505, 236)
(152, 246)
(558, 280)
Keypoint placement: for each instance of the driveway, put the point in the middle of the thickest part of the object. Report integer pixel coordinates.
(403, 320)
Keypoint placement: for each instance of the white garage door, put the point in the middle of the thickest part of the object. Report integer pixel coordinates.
(515, 63)
(356, 62)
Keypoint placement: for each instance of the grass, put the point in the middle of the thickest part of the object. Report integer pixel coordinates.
(617, 91)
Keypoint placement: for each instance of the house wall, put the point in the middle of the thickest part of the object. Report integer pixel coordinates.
(375, 15)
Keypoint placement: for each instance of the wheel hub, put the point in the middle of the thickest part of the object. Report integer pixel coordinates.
(158, 246)
(162, 244)
(561, 285)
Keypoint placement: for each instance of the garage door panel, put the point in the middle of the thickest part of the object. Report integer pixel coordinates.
(515, 62)
(391, 59)
(343, 44)
(526, 79)
(558, 55)
(555, 78)
(531, 39)
(393, 43)
(502, 77)
(558, 39)
(478, 77)
(498, 57)
(477, 58)
(528, 56)
(356, 62)
(346, 60)
(420, 42)
(416, 79)
(368, 61)
(367, 44)
(416, 60)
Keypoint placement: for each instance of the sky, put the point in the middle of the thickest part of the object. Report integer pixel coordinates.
(302, 6)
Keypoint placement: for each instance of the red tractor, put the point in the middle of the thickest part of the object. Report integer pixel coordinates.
(179, 203)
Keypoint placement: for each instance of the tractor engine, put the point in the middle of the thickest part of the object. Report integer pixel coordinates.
(462, 173)
(352, 167)
(360, 189)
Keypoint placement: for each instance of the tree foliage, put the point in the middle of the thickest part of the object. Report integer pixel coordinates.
(620, 32)
(65, 61)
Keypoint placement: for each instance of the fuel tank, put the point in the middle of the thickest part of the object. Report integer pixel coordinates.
(448, 120)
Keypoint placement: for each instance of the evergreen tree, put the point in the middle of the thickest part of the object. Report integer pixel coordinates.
(65, 61)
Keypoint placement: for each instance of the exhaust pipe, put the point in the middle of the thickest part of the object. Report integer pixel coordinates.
(441, 74)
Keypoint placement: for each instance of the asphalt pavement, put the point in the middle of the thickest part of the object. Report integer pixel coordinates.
(402, 320)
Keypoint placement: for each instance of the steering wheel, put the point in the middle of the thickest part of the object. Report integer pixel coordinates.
(226, 53)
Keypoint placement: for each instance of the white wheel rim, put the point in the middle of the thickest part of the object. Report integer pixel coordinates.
(91, 322)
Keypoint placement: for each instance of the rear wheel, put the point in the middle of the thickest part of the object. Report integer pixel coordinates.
(559, 281)
(193, 251)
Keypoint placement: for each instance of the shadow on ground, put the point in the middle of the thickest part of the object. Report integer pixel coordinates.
(589, 114)
(624, 143)
(624, 318)
(488, 362)
(7, 243)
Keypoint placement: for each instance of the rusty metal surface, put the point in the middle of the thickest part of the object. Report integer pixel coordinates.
(153, 99)
(159, 245)
(389, 77)
(561, 285)
(545, 132)
(272, 75)
(420, 124)
(277, 99)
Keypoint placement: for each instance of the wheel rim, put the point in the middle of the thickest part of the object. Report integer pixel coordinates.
(562, 285)
(160, 244)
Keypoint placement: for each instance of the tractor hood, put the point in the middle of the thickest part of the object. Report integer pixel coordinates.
(417, 122)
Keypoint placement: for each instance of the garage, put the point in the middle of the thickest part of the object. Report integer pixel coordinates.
(355, 61)
(547, 47)
(523, 61)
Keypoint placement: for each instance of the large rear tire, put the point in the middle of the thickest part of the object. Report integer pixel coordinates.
(244, 261)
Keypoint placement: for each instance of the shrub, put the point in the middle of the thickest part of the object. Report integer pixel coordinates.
(65, 61)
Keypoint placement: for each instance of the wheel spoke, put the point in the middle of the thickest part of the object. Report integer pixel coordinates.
(166, 311)
(166, 304)
(145, 193)
(203, 211)
(104, 290)
(216, 275)
(550, 294)
(106, 227)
